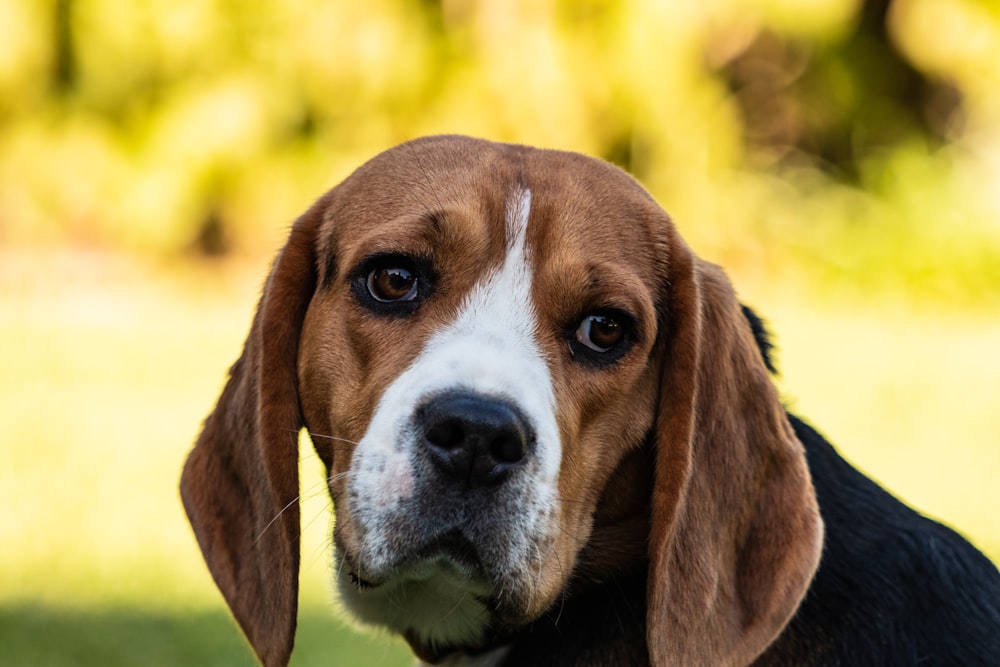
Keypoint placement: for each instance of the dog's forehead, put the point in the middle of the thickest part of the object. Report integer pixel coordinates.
(575, 200)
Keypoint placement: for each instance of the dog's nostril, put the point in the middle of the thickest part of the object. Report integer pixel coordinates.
(473, 438)
(508, 448)
(448, 434)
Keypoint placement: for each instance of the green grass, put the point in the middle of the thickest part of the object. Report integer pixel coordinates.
(126, 636)
(108, 366)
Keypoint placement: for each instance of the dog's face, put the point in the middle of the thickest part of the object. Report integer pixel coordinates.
(478, 361)
(523, 384)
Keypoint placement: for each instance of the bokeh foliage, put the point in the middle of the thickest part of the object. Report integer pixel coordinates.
(853, 145)
(857, 138)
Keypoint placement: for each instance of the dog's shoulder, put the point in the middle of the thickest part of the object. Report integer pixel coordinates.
(893, 586)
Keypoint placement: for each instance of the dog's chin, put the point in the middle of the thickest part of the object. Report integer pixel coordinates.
(439, 600)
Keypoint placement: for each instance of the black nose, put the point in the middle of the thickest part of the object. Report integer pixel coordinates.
(473, 438)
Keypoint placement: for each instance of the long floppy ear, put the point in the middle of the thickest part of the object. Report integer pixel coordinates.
(736, 532)
(240, 485)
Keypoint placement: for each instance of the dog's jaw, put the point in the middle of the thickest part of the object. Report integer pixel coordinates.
(435, 604)
(397, 507)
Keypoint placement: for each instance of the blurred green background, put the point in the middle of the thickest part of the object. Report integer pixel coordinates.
(840, 157)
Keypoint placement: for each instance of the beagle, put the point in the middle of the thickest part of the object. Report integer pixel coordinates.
(551, 438)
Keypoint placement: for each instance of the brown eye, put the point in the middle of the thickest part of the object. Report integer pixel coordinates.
(600, 332)
(392, 283)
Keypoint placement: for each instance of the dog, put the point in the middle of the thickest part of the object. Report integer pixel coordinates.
(552, 438)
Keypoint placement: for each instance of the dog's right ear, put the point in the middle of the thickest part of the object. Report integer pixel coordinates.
(240, 484)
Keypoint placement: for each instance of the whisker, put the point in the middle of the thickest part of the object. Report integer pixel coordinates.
(338, 568)
(327, 542)
(535, 573)
(562, 592)
(332, 437)
(458, 604)
(313, 491)
(339, 476)
(276, 517)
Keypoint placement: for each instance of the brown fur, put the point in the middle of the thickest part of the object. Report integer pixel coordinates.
(737, 536)
(726, 510)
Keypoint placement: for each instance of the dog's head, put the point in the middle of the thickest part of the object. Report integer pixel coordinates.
(521, 382)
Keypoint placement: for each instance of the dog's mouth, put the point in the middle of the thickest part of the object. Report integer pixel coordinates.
(362, 584)
(453, 546)
(450, 553)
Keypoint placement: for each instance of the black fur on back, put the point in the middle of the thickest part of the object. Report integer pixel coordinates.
(893, 586)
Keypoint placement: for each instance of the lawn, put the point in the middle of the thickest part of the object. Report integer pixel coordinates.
(108, 364)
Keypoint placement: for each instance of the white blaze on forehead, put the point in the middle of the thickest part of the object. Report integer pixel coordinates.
(516, 219)
(498, 317)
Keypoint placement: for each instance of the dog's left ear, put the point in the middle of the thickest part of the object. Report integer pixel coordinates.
(736, 533)
(240, 485)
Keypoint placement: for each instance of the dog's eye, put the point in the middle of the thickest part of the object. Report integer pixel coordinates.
(600, 332)
(392, 282)
(601, 337)
(393, 285)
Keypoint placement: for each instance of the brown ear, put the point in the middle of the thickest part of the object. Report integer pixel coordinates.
(240, 485)
(736, 532)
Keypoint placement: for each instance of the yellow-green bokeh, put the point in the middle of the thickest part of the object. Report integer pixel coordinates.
(138, 138)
